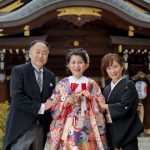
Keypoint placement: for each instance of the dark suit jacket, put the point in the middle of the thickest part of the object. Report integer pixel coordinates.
(26, 101)
(122, 104)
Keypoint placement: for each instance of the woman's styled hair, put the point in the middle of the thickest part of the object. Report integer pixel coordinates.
(107, 61)
(79, 52)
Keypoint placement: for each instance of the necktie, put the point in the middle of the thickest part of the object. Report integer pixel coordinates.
(39, 81)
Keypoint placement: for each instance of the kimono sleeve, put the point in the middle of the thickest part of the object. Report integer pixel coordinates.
(95, 90)
(127, 105)
(59, 96)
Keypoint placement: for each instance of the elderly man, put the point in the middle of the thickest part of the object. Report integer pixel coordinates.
(31, 85)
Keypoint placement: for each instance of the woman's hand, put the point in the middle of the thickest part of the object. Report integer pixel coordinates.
(86, 93)
(104, 107)
(102, 98)
(72, 99)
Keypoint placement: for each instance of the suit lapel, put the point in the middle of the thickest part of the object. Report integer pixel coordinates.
(32, 78)
(45, 83)
(107, 92)
(116, 90)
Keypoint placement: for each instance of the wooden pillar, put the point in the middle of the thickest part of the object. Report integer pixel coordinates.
(4, 91)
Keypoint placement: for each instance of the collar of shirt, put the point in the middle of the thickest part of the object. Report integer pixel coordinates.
(83, 79)
(37, 68)
(114, 84)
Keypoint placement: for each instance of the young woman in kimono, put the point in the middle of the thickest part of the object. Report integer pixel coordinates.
(78, 122)
(122, 101)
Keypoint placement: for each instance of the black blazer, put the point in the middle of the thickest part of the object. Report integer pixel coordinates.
(26, 101)
(122, 103)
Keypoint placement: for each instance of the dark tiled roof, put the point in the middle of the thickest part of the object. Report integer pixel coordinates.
(147, 1)
(39, 5)
(127, 9)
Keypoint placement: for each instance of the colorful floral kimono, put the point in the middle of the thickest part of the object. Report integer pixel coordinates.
(79, 126)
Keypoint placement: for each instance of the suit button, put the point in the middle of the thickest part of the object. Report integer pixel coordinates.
(125, 107)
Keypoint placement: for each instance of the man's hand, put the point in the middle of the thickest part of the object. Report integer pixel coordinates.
(48, 104)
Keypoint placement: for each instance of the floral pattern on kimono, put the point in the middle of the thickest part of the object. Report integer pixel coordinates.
(70, 129)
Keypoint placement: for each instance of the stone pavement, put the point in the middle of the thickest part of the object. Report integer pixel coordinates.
(144, 143)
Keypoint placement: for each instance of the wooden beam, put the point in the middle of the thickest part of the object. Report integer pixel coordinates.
(74, 32)
(130, 41)
(92, 51)
(19, 41)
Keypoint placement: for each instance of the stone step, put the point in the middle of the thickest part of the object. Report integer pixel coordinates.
(144, 143)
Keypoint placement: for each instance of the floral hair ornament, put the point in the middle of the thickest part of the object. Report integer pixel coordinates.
(82, 50)
(86, 54)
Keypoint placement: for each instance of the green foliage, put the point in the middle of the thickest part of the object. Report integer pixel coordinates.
(4, 107)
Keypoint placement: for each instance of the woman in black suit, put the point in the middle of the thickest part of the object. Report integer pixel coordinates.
(121, 104)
